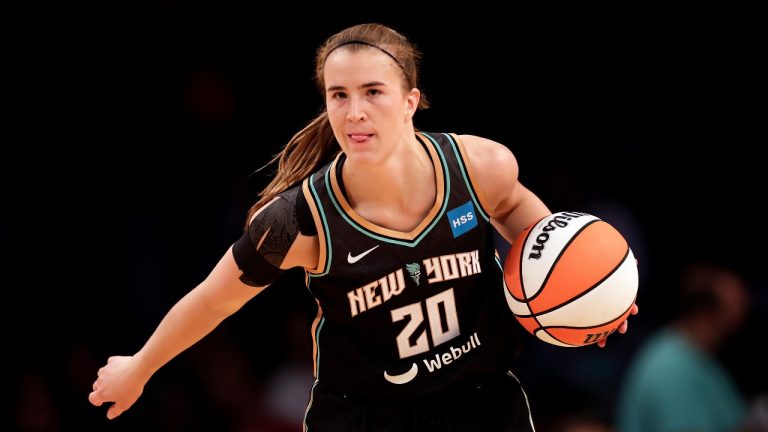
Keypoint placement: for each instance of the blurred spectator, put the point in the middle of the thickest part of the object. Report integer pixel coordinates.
(675, 383)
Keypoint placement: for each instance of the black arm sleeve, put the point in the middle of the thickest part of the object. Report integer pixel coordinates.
(257, 271)
(262, 248)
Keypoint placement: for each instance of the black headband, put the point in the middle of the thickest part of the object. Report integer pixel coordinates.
(369, 44)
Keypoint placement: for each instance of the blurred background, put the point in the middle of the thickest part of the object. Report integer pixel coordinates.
(135, 134)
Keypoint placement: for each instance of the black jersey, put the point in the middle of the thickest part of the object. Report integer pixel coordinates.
(407, 314)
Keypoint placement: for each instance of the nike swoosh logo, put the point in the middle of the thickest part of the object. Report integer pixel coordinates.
(353, 259)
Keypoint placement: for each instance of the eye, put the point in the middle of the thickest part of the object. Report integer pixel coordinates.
(338, 95)
(374, 92)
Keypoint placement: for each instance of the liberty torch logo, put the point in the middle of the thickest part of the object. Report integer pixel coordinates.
(415, 271)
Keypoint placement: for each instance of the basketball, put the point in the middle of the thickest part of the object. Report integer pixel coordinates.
(570, 279)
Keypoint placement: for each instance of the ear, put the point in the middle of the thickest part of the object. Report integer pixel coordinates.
(412, 102)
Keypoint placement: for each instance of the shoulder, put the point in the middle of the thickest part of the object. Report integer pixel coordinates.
(280, 207)
(485, 154)
(283, 231)
(493, 166)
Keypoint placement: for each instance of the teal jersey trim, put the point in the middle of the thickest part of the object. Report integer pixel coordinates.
(317, 344)
(328, 247)
(426, 231)
(309, 406)
(470, 187)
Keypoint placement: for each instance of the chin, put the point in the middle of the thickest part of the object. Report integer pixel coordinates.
(363, 157)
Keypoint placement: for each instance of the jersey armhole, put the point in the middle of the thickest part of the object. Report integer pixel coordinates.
(472, 183)
(319, 225)
(304, 216)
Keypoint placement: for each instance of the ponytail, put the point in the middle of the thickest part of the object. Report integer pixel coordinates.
(307, 151)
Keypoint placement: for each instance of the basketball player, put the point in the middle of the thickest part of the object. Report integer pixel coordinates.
(394, 229)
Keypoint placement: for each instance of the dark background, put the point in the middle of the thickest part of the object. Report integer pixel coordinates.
(134, 135)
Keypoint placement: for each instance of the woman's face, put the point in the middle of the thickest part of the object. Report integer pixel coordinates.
(369, 110)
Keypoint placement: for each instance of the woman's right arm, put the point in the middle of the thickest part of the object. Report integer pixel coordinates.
(220, 295)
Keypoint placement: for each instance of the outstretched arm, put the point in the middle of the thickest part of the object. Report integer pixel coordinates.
(220, 295)
(273, 242)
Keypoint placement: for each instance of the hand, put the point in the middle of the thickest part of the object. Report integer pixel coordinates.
(118, 382)
(623, 327)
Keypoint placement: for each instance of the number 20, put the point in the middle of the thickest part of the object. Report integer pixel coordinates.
(439, 334)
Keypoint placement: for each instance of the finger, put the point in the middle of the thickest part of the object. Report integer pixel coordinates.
(623, 327)
(101, 371)
(635, 309)
(601, 343)
(95, 399)
(114, 411)
(111, 359)
(95, 385)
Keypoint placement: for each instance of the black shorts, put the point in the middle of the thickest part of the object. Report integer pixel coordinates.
(497, 405)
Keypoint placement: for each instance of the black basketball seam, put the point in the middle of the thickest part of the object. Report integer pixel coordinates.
(559, 255)
(592, 326)
(522, 284)
(520, 272)
(544, 329)
(526, 302)
(585, 292)
(546, 279)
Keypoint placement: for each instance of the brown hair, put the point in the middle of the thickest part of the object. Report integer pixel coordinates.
(315, 145)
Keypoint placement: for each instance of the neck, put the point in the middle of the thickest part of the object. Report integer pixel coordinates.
(395, 180)
(700, 332)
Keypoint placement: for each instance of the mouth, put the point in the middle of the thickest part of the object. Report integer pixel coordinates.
(359, 137)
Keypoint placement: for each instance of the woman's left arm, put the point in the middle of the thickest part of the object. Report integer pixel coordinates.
(511, 205)
(494, 171)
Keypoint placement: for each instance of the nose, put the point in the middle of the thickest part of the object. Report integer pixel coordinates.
(355, 113)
